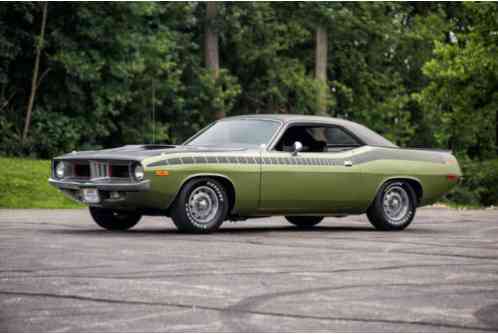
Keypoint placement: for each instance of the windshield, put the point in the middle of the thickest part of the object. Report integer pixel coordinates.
(248, 133)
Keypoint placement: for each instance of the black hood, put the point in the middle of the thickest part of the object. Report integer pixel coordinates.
(140, 152)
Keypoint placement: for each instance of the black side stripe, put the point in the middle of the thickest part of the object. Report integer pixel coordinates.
(360, 159)
(376, 154)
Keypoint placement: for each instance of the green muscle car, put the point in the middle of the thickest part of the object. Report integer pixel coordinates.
(301, 167)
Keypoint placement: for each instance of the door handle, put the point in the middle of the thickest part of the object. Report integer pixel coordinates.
(348, 163)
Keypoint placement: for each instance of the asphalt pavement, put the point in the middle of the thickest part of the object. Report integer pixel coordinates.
(61, 272)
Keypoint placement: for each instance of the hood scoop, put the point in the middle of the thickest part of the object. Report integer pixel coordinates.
(157, 147)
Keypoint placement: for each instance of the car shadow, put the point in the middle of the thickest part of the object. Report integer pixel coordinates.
(236, 230)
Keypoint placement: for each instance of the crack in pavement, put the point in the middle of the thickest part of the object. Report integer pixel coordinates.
(49, 269)
(238, 310)
(127, 276)
(246, 305)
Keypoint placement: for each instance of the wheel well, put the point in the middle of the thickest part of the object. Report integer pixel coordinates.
(225, 182)
(417, 187)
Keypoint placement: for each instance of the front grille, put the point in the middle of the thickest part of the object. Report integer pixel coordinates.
(121, 171)
(99, 169)
(82, 170)
(118, 170)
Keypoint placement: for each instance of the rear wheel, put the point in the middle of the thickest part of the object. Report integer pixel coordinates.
(304, 221)
(114, 220)
(201, 206)
(394, 207)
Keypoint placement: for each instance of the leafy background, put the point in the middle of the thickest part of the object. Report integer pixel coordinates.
(421, 74)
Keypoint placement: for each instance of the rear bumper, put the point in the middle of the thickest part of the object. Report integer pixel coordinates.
(104, 186)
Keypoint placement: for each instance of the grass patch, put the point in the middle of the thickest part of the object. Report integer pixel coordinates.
(24, 184)
(459, 206)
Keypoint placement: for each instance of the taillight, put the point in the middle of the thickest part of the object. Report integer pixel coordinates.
(452, 177)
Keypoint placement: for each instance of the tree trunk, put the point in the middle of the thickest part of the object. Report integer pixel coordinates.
(34, 80)
(211, 52)
(321, 68)
(496, 132)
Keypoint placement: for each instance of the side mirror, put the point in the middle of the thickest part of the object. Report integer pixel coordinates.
(298, 147)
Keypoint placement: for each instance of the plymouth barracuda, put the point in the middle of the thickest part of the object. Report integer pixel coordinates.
(302, 167)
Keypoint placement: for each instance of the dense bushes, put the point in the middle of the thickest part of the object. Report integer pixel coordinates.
(114, 74)
(479, 185)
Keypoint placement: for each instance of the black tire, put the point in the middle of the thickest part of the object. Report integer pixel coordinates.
(114, 220)
(304, 221)
(189, 213)
(381, 217)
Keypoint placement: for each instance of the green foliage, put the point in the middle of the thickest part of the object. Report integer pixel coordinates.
(479, 185)
(263, 48)
(461, 98)
(23, 184)
(216, 94)
(104, 69)
(422, 74)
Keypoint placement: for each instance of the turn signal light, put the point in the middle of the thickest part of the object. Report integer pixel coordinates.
(162, 173)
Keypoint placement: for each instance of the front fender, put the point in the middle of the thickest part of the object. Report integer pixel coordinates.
(245, 180)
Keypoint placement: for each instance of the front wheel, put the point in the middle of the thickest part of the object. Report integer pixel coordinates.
(201, 206)
(114, 220)
(394, 207)
(304, 221)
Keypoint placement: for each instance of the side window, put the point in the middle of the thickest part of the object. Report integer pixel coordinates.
(311, 137)
(316, 139)
(338, 139)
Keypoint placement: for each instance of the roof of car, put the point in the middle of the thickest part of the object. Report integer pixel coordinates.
(293, 118)
(366, 135)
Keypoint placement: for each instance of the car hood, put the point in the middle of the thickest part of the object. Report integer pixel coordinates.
(140, 152)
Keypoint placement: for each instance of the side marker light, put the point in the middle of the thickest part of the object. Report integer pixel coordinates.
(162, 173)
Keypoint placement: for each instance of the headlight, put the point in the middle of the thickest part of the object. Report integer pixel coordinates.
(59, 170)
(139, 172)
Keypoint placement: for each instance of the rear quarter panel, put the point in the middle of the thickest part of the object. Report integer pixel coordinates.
(429, 168)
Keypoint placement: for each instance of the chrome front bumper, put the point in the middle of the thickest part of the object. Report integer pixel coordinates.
(104, 186)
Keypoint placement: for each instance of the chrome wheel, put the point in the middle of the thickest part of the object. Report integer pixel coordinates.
(394, 207)
(203, 204)
(396, 204)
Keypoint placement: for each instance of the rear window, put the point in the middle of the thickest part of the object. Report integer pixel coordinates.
(338, 137)
(370, 137)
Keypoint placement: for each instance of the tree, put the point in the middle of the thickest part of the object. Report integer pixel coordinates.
(211, 53)
(321, 51)
(34, 79)
(420, 74)
(270, 51)
(461, 98)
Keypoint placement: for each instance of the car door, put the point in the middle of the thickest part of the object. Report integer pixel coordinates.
(311, 182)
